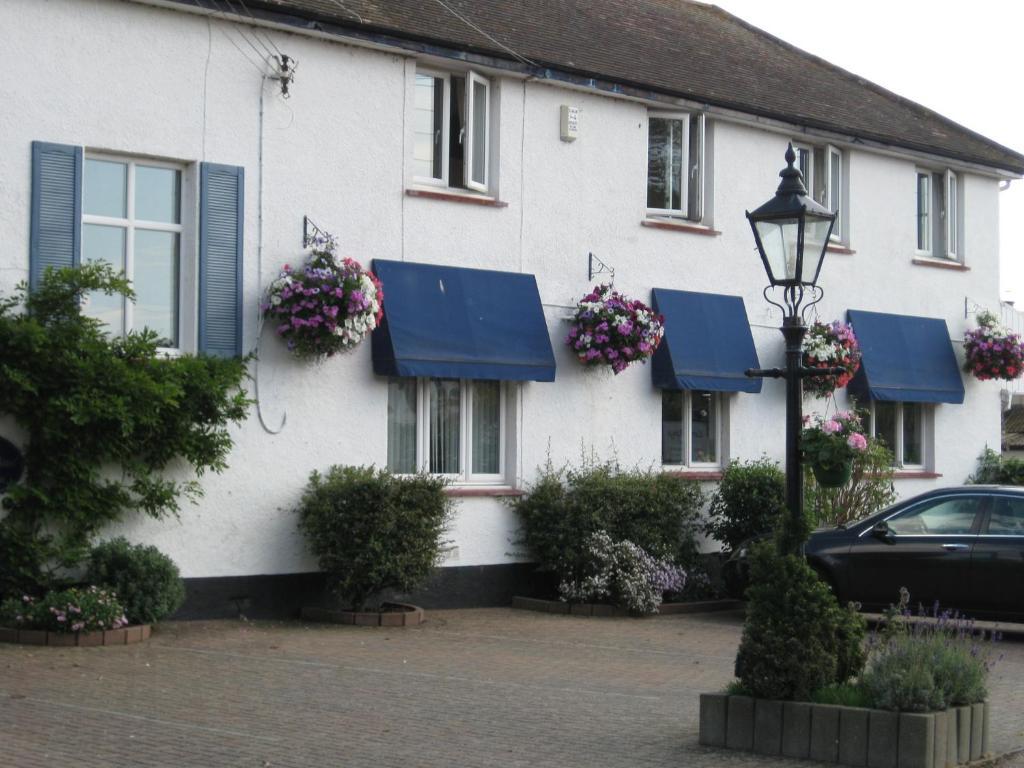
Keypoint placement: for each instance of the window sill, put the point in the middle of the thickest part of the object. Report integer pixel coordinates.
(679, 226)
(840, 249)
(457, 197)
(925, 261)
(466, 491)
(915, 474)
(709, 475)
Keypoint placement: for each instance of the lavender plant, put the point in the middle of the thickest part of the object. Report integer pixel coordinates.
(622, 573)
(929, 662)
(66, 611)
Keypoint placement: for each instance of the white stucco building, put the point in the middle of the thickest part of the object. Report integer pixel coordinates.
(435, 134)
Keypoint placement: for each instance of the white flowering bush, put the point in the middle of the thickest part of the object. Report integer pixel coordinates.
(328, 306)
(620, 572)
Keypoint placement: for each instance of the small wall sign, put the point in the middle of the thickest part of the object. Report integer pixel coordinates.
(570, 122)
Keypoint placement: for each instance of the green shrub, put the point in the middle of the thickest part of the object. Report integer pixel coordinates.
(656, 511)
(842, 694)
(104, 416)
(146, 580)
(927, 665)
(993, 469)
(796, 638)
(69, 610)
(869, 490)
(750, 498)
(372, 530)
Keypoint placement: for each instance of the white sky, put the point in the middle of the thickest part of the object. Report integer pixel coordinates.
(960, 59)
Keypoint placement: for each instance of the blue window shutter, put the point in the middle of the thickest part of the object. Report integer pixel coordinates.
(55, 232)
(221, 199)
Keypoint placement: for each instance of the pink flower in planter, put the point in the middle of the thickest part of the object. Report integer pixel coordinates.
(857, 441)
(831, 427)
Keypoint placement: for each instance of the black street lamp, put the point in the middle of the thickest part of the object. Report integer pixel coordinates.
(792, 234)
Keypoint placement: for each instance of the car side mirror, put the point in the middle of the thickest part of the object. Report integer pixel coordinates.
(881, 531)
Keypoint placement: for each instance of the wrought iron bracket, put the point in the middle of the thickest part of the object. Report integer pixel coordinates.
(597, 267)
(314, 235)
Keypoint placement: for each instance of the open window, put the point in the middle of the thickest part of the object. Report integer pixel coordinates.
(675, 165)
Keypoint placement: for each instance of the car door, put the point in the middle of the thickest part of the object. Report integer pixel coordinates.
(927, 550)
(997, 562)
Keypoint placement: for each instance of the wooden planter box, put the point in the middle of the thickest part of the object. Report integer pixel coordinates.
(123, 636)
(400, 615)
(601, 609)
(845, 735)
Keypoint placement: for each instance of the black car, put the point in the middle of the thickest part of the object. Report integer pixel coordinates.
(961, 546)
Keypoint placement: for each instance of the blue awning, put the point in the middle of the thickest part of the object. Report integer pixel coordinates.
(905, 358)
(707, 343)
(448, 322)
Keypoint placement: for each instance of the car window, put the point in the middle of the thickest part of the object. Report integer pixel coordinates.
(945, 516)
(1007, 517)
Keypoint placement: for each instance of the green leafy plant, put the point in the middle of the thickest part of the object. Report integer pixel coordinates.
(657, 512)
(843, 694)
(993, 469)
(69, 610)
(869, 490)
(749, 501)
(372, 530)
(103, 418)
(146, 580)
(796, 638)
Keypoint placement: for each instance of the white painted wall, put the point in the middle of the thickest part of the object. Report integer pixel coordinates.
(138, 80)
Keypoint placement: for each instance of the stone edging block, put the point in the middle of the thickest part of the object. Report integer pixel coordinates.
(137, 633)
(407, 616)
(845, 735)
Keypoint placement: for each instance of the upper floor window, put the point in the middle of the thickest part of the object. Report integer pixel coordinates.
(132, 219)
(450, 427)
(691, 428)
(822, 169)
(938, 211)
(902, 427)
(451, 129)
(675, 165)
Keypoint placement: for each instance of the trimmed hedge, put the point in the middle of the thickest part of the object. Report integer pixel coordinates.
(145, 580)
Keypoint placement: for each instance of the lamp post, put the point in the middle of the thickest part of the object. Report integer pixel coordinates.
(792, 233)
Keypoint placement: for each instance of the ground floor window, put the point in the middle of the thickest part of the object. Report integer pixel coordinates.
(450, 427)
(903, 429)
(691, 428)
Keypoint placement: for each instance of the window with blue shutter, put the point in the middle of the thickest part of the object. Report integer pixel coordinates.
(55, 231)
(221, 197)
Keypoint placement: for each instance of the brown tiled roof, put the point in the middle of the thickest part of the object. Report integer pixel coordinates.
(675, 47)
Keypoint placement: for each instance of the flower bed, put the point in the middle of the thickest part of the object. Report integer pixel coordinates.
(603, 609)
(610, 329)
(326, 307)
(830, 345)
(992, 351)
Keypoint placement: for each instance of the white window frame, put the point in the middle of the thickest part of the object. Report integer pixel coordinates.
(693, 172)
(827, 194)
(687, 432)
(445, 120)
(925, 436)
(952, 209)
(471, 77)
(923, 209)
(834, 192)
(466, 476)
(185, 229)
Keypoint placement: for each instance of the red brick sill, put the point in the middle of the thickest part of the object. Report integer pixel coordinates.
(467, 492)
(840, 249)
(924, 262)
(678, 226)
(915, 474)
(693, 474)
(455, 197)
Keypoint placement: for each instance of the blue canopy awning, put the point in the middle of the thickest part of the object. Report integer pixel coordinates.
(905, 358)
(707, 343)
(448, 322)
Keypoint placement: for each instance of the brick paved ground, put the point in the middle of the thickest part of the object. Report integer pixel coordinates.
(470, 688)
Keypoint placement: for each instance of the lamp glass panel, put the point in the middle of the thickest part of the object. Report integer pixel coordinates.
(816, 237)
(779, 241)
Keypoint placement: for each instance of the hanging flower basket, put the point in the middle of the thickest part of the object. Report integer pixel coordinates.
(610, 329)
(992, 351)
(327, 306)
(830, 445)
(828, 345)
